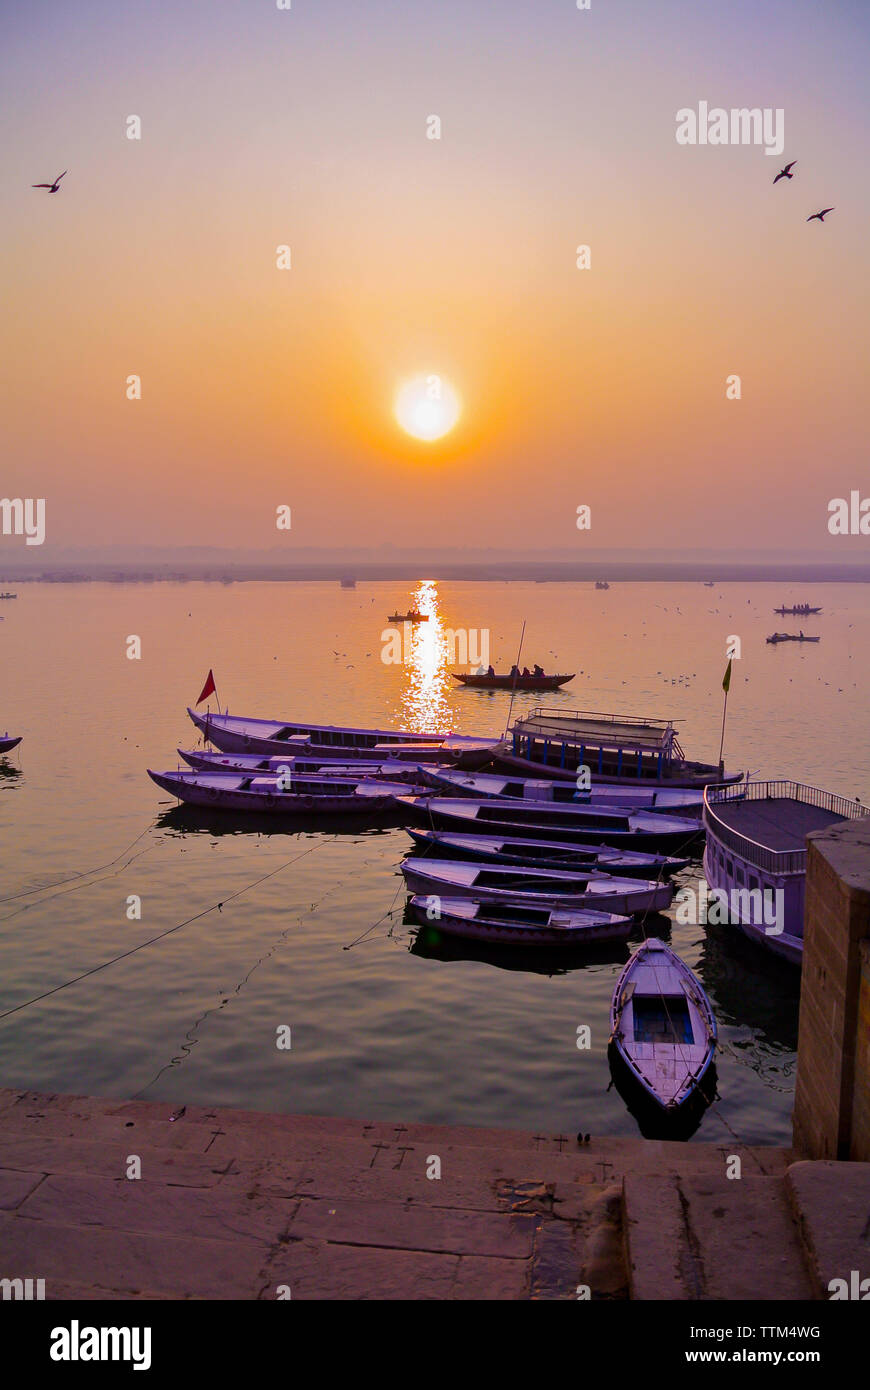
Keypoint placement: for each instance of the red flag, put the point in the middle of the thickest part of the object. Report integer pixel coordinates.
(208, 689)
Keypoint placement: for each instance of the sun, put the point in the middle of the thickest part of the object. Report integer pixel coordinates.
(427, 407)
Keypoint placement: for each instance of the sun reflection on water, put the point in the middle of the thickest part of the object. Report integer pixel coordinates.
(426, 667)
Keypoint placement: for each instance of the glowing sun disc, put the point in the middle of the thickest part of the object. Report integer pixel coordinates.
(427, 407)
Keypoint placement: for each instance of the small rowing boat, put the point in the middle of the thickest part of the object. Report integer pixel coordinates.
(271, 795)
(476, 680)
(662, 1027)
(233, 733)
(792, 637)
(545, 854)
(502, 882)
(7, 743)
(683, 801)
(392, 769)
(799, 610)
(643, 830)
(519, 924)
(412, 616)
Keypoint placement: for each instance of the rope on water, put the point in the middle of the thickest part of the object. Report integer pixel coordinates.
(83, 873)
(189, 1041)
(85, 974)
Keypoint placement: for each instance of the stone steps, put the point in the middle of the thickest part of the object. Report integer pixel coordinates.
(235, 1204)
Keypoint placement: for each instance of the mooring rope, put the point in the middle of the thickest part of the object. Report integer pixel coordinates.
(85, 974)
(83, 873)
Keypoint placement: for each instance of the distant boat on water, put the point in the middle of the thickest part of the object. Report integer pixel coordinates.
(798, 610)
(601, 584)
(8, 595)
(7, 743)
(348, 582)
(412, 616)
(792, 637)
(478, 680)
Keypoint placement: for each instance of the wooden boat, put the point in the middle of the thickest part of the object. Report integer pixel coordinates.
(643, 830)
(267, 737)
(391, 770)
(799, 610)
(755, 860)
(601, 584)
(545, 854)
(412, 616)
(626, 750)
(478, 681)
(308, 795)
(7, 743)
(662, 1027)
(520, 924)
(685, 801)
(461, 878)
(8, 595)
(792, 637)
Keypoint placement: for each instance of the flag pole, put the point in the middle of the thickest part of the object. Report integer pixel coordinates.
(726, 685)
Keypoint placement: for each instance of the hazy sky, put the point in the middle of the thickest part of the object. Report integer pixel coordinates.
(308, 127)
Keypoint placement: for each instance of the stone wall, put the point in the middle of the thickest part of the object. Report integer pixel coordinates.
(832, 1094)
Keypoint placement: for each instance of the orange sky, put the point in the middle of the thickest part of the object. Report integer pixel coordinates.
(457, 257)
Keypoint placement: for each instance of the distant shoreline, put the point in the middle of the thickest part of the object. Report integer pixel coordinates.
(615, 572)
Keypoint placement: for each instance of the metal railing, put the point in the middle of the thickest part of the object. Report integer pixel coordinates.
(561, 713)
(773, 861)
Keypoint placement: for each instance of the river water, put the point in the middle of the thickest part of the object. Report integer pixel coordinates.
(318, 945)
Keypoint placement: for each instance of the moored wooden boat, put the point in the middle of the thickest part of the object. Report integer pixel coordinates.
(643, 830)
(392, 769)
(464, 878)
(684, 801)
(7, 743)
(267, 737)
(545, 854)
(662, 1027)
(792, 637)
(627, 750)
(520, 924)
(480, 681)
(306, 795)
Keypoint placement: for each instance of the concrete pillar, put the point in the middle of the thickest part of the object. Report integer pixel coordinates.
(832, 1093)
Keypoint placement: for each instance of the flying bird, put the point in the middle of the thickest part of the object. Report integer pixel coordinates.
(52, 187)
(820, 215)
(784, 173)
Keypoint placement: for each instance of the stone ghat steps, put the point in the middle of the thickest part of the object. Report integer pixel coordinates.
(236, 1204)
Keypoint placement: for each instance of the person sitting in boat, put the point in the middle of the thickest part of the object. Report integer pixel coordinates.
(515, 670)
(490, 671)
(526, 671)
(537, 670)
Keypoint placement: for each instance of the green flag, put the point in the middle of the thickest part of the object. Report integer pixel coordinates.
(726, 679)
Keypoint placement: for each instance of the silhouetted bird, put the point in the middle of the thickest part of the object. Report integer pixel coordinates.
(52, 187)
(820, 215)
(784, 173)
